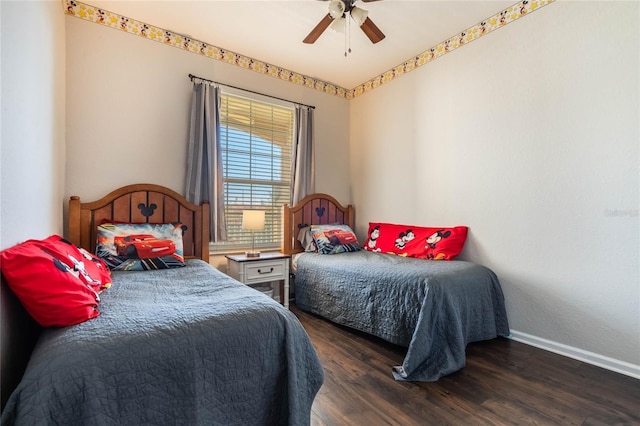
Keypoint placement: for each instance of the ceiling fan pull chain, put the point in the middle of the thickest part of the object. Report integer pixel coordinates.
(346, 34)
(349, 33)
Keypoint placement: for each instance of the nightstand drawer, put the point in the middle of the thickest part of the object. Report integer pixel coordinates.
(264, 271)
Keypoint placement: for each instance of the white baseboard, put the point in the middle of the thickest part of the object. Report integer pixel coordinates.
(612, 364)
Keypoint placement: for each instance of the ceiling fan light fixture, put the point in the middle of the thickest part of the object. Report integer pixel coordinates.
(359, 15)
(338, 25)
(337, 19)
(336, 8)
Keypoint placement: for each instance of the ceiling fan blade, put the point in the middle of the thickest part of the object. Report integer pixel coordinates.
(372, 31)
(318, 30)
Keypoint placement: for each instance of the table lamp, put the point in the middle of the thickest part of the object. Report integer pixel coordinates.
(253, 220)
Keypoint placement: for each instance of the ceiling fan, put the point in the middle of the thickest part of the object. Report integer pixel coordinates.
(338, 9)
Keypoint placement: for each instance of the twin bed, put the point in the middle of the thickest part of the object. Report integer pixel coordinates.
(184, 345)
(434, 308)
(192, 346)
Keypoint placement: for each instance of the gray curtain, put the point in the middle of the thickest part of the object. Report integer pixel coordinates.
(204, 160)
(303, 170)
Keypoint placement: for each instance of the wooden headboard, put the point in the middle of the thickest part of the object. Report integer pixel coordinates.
(141, 203)
(314, 209)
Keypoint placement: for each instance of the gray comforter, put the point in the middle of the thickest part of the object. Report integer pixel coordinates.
(185, 346)
(432, 307)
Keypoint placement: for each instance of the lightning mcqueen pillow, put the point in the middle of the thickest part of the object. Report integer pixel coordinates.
(416, 241)
(333, 239)
(140, 246)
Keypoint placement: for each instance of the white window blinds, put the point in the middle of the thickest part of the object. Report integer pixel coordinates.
(256, 139)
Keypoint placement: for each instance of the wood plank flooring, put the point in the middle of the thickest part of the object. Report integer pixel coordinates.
(504, 383)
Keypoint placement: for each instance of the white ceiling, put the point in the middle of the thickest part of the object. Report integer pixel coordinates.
(272, 31)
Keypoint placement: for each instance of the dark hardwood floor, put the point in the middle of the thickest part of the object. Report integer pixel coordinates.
(503, 383)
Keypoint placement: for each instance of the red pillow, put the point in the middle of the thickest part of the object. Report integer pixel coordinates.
(92, 270)
(416, 241)
(49, 284)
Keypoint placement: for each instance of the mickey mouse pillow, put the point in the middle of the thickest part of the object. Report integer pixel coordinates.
(416, 241)
(56, 282)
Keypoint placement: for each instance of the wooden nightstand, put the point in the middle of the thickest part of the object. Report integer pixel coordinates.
(266, 268)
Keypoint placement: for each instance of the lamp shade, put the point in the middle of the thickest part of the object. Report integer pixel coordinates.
(359, 15)
(338, 25)
(253, 220)
(336, 8)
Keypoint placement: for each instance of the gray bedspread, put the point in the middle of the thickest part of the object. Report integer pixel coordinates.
(187, 346)
(432, 307)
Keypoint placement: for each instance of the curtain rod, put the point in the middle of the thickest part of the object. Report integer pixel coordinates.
(191, 76)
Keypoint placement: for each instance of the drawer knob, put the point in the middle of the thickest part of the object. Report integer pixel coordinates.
(266, 272)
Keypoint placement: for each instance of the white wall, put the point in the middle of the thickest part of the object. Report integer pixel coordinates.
(530, 136)
(128, 103)
(32, 150)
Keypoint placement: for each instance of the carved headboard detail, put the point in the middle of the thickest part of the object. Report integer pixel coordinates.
(314, 209)
(142, 203)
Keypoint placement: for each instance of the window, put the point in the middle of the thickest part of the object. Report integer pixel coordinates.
(256, 140)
